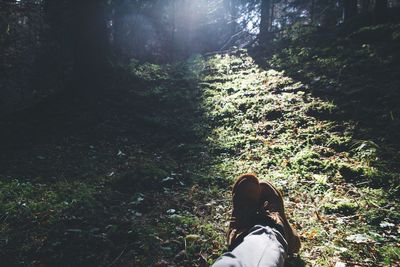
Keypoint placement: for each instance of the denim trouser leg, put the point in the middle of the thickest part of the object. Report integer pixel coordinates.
(263, 246)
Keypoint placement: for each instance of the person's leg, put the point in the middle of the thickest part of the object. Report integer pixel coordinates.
(263, 246)
(259, 233)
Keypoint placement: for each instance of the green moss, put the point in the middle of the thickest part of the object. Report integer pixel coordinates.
(390, 254)
(17, 197)
(147, 71)
(144, 176)
(307, 160)
(351, 173)
(339, 143)
(322, 110)
(344, 207)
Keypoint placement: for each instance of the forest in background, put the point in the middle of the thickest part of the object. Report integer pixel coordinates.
(53, 46)
(124, 122)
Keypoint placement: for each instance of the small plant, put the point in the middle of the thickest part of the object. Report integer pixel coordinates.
(366, 150)
(344, 207)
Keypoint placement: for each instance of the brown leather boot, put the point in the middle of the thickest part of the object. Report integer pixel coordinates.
(246, 199)
(271, 203)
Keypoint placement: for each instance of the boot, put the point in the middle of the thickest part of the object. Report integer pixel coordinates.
(271, 204)
(246, 199)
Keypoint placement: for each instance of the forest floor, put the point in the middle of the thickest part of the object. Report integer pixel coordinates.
(144, 178)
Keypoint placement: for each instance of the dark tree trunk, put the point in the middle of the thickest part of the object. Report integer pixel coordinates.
(329, 17)
(265, 19)
(76, 43)
(118, 31)
(349, 9)
(312, 12)
(380, 10)
(365, 5)
(232, 6)
(90, 44)
(272, 16)
(57, 38)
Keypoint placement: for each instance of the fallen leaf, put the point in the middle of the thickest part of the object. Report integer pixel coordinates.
(171, 211)
(161, 263)
(319, 217)
(167, 179)
(359, 239)
(181, 255)
(312, 234)
(192, 237)
(386, 225)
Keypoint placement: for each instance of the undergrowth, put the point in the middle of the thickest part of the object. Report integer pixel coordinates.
(149, 182)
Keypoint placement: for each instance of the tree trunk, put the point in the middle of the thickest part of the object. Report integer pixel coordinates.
(265, 19)
(328, 18)
(380, 10)
(365, 5)
(233, 13)
(118, 31)
(312, 12)
(349, 9)
(90, 44)
(272, 16)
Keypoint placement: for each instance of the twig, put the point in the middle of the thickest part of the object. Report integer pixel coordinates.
(117, 258)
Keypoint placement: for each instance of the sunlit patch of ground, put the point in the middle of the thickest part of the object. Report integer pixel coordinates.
(267, 123)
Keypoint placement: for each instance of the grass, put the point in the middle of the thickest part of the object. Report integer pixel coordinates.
(148, 181)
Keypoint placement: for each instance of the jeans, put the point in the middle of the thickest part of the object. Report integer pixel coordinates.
(263, 246)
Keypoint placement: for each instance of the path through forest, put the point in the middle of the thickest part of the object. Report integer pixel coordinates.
(147, 181)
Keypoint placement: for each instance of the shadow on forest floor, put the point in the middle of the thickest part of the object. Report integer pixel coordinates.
(87, 133)
(108, 178)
